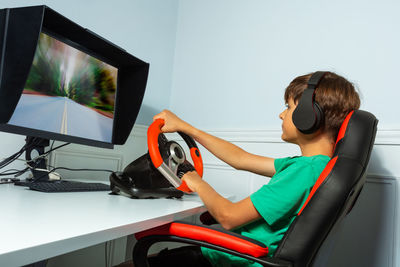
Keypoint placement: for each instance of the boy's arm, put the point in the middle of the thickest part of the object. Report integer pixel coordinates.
(230, 215)
(232, 154)
(224, 150)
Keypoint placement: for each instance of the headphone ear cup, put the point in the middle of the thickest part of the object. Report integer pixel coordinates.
(308, 115)
(296, 118)
(319, 113)
(304, 117)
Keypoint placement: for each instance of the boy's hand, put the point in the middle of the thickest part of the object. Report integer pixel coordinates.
(192, 180)
(172, 123)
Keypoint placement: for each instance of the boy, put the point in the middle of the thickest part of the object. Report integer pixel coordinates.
(266, 214)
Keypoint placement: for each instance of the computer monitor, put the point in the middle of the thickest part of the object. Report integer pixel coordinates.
(67, 92)
(59, 81)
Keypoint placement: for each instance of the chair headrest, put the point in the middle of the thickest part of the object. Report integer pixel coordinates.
(355, 136)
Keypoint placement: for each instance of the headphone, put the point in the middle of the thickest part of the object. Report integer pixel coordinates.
(308, 115)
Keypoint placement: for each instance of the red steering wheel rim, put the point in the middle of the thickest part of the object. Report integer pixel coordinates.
(153, 132)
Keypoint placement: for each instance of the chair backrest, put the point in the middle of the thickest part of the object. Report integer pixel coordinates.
(335, 192)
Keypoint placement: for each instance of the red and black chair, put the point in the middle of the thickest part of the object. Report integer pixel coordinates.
(332, 197)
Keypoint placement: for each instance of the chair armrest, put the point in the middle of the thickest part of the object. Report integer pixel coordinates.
(204, 236)
(211, 235)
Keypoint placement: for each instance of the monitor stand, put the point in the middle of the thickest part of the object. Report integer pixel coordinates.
(35, 146)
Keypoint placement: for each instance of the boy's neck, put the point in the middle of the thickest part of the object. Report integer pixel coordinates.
(320, 145)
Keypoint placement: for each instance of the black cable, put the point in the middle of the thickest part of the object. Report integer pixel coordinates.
(52, 144)
(16, 155)
(84, 169)
(11, 158)
(57, 147)
(49, 151)
(22, 172)
(36, 161)
(69, 169)
(15, 171)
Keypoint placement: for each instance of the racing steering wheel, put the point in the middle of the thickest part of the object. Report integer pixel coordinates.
(170, 158)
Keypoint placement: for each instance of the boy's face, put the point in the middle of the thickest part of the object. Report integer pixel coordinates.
(289, 130)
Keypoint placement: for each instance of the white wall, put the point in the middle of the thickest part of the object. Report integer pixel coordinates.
(233, 58)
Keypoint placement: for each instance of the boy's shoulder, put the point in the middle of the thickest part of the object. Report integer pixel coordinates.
(317, 162)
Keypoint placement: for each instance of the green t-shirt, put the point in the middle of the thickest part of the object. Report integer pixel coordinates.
(278, 203)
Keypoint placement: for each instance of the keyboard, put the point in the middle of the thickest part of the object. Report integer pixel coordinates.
(67, 186)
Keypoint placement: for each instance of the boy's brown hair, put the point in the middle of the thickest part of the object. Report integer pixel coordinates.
(335, 95)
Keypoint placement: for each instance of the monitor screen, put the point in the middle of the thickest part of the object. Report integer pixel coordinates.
(68, 92)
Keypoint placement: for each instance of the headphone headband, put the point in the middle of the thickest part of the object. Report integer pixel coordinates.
(315, 79)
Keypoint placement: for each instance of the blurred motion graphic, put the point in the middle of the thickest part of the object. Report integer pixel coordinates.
(68, 92)
(61, 70)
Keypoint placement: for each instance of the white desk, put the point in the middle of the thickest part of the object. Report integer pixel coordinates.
(35, 226)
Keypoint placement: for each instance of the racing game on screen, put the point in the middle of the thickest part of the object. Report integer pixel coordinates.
(68, 92)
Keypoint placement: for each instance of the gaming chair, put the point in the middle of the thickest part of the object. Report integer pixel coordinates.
(332, 197)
